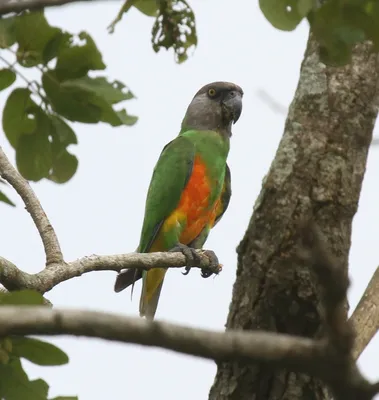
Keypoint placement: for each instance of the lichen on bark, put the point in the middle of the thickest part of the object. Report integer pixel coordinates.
(316, 175)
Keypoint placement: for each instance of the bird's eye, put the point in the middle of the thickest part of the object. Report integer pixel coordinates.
(211, 92)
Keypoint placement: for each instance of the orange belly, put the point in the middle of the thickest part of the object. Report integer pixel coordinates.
(194, 210)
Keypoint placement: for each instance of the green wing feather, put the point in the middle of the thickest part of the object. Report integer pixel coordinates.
(155, 218)
(225, 194)
(169, 179)
(170, 176)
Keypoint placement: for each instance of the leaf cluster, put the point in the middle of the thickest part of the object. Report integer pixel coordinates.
(338, 25)
(36, 117)
(14, 382)
(174, 26)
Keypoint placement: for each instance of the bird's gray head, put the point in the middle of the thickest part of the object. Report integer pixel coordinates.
(214, 107)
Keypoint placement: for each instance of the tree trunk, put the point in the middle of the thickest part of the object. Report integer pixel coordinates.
(317, 174)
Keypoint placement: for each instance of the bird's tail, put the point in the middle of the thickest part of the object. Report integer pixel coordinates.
(151, 290)
(127, 277)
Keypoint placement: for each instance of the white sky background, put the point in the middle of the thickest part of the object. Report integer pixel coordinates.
(101, 209)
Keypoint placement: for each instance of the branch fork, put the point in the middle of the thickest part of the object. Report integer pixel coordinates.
(332, 358)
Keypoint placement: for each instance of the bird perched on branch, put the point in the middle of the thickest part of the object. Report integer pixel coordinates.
(189, 190)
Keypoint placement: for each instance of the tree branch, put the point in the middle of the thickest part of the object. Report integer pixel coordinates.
(50, 241)
(7, 6)
(365, 318)
(13, 278)
(328, 359)
(277, 350)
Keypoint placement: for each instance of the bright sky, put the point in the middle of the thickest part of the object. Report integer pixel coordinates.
(101, 209)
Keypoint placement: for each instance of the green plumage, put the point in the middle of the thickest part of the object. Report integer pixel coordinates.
(175, 161)
(171, 175)
(190, 187)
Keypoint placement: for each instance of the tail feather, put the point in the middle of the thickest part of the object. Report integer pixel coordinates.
(151, 290)
(126, 278)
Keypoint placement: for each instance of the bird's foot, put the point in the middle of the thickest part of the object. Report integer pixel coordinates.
(192, 257)
(214, 266)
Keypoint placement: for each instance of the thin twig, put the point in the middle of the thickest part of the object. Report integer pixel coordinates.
(273, 104)
(15, 70)
(50, 241)
(365, 318)
(38, 88)
(13, 278)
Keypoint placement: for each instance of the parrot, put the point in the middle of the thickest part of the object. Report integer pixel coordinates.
(189, 191)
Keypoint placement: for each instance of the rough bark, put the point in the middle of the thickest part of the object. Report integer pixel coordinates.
(365, 318)
(316, 175)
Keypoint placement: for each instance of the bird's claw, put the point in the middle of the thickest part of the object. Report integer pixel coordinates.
(214, 266)
(188, 269)
(192, 257)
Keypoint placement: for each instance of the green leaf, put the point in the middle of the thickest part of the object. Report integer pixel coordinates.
(13, 380)
(15, 384)
(65, 398)
(147, 7)
(372, 10)
(5, 199)
(7, 32)
(33, 151)
(64, 163)
(6, 344)
(33, 33)
(123, 10)
(112, 92)
(34, 156)
(72, 103)
(285, 14)
(39, 386)
(55, 45)
(64, 167)
(7, 77)
(62, 132)
(338, 28)
(125, 118)
(75, 61)
(21, 297)
(4, 356)
(113, 117)
(18, 118)
(87, 100)
(304, 7)
(37, 351)
(175, 28)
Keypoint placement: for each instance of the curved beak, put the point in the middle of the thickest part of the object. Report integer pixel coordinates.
(233, 102)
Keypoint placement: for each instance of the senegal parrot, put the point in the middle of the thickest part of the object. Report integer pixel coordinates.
(190, 188)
